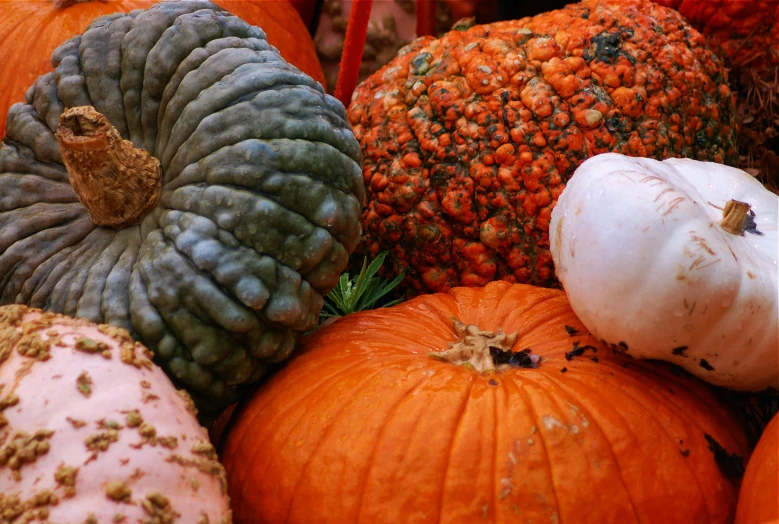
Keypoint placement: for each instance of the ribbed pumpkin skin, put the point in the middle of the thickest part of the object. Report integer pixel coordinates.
(260, 204)
(468, 140)
(363, 426)
(758, 502)
(30, 30)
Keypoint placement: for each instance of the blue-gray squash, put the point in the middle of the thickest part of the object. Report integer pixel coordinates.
(176, 177)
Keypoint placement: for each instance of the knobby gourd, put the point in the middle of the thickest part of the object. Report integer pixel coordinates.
(674, 260)
(92, 431)
(469, 139)
(175, 177)
(488, 404)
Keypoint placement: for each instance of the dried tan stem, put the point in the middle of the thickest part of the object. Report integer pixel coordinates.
(117, 183)
(472, 350)
(734, 217)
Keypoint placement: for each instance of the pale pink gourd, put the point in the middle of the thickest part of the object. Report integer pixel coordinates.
(92, 431)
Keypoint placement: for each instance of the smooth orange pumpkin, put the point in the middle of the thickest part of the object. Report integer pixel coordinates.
(758, 502)
(31, 29)
(367, 425)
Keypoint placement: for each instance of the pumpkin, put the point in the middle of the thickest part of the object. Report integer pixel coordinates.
(482, 404)
(676, 261)
(33, 29)
(236, 207)
(745, 33)
(92, 431)
(468, 140)
(741, 30)
(758, 502)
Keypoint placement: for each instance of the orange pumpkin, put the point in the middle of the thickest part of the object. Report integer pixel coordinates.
(31, 29)
(758, 502)
(375, 421)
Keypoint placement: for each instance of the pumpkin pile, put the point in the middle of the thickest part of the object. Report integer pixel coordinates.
(468, 140)
(179, 203)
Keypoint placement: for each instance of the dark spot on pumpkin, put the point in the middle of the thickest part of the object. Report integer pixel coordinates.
(563, 369)
(685, 452)
(623, 345)
(605, 47)
(731, 464)
(705, 365)
(493, 382)
(594, 359)
(578, 350)
(572, 331)
(680, 351)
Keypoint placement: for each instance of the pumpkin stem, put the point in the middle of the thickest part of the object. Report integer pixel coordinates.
(117, 183)
(354, 45)
(426, 17)
(475, 348)
(734, 217)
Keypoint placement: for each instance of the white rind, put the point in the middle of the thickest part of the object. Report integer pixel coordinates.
(638, 248)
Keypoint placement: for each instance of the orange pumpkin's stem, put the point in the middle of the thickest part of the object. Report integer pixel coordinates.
(426, 17)
(354, 44)
(472, 349)
(117, 183)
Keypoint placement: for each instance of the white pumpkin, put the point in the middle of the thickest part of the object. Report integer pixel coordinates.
(651, 266)
(91, 431)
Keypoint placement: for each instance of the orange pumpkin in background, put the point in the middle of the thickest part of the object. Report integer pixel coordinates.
(31, 29)
(479, 405)
(744, 31)
(758, 502)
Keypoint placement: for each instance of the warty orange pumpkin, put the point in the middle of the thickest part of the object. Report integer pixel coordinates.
(469, 139)
(758, 502)
(485, 404)
(30, 30)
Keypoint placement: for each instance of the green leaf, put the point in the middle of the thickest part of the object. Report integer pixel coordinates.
(362, 291)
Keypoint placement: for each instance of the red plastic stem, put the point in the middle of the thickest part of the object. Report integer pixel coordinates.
(354, 44)
(426, 17)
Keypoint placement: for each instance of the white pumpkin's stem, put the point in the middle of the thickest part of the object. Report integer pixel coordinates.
(472, 350)
(118, 183)
(734, 217)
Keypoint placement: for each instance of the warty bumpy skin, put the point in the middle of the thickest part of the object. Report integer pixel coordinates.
(262, 190)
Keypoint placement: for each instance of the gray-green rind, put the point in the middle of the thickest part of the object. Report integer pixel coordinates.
(262, 191)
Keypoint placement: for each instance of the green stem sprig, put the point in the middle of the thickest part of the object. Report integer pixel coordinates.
(360, 292)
